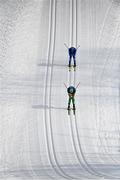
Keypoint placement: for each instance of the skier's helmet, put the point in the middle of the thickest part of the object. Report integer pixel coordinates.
(71, 90)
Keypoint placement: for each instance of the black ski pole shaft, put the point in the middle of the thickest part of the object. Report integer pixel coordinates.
(66, 45)
(77, 85)
(65, 85)
(78, 47)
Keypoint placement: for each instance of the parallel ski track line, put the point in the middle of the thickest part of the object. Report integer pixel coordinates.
(72, 119)
(69, 82)
(86, 166)
(50, 115)
(106, 176)
(45, 92)
(58, 170)
(51, 28)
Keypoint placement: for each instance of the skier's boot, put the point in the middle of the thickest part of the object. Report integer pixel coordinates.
(69, 67)
(74, 109)
(68, 109)
(74, 67)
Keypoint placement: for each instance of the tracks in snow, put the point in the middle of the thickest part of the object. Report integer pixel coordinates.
(72, 81)
(47, 97)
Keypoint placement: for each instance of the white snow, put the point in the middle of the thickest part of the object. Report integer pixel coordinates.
(38, 140)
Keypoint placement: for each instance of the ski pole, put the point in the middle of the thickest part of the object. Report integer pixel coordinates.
(77, 85)
(66, 45)
(78, 47)
(65, 85)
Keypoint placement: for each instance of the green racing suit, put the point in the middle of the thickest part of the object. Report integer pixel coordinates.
(71, 98)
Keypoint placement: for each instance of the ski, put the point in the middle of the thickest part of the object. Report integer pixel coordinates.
(70, 110)
(74, 111)
(72, 66)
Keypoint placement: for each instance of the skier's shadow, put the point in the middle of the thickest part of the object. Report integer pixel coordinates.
(50, 65)
(46, 107)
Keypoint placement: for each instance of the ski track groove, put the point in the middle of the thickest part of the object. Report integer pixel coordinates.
(65, 175)
(46, 87)
(70, 82)
(70, 77)
(59, 171)
(85, 166)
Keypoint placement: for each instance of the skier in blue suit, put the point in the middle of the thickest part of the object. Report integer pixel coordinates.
(72, 54)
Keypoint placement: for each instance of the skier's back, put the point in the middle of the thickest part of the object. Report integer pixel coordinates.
(71, 93)
(72, 54)
(72, 51)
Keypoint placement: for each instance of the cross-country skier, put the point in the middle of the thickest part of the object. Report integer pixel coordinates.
(72, 54)
(71, 93)
(71, 90)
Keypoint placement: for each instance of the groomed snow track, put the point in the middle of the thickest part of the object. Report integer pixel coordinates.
(38, 140)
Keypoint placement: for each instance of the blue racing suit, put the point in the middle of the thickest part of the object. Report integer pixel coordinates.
(72, 53)
(71, 93)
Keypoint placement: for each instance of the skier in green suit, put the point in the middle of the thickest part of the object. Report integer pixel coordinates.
(71, 93)
(71, 90)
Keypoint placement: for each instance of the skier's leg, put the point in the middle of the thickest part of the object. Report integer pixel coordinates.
(73, 101)
(69, 102)
(70, 60)
(74, 58)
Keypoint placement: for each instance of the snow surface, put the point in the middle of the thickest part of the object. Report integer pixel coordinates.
(38, 140)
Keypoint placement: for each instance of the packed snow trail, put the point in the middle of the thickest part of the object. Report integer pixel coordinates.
(38, 139)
